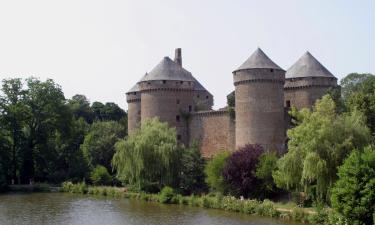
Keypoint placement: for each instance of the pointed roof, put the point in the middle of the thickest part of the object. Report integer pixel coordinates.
(258, 60)
(135, 88)
(307, 66)
(167, 69)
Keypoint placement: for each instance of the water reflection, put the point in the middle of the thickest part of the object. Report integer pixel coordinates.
(61, 209)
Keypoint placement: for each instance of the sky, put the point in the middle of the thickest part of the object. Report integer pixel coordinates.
(101, 48)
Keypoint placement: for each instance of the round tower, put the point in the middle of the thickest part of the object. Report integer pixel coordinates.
(167, 93)
(306, 81)
(259, 100)
(133, 98)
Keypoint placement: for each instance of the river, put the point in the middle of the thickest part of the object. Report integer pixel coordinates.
(64, 208)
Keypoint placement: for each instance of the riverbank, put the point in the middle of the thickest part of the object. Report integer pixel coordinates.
(38, 187)
(228, 203)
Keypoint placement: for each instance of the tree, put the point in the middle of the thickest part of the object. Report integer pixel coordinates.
(80, 107)
(47, 113)
(100, 176)
(148, 158)
(317, 146)
(353, 194)
(214, 172)
(239, 171)
(13, 106)
(266, 166)
(362, 97)
(192, 170)
(353, 83)
(99, 144)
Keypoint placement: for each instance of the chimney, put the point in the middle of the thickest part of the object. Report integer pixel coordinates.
(178, 56)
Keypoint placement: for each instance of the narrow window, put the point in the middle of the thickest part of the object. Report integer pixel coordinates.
(207, 97)
(164, 81)
(190, 108)
(178, 137)
(288, 103)
(178, 118)
(197, 96)
(271, 70)
(181, 82)
(178, 101)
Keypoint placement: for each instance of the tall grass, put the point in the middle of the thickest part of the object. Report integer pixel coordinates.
(214, 201)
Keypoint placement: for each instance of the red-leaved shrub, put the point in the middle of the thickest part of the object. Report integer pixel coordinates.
(239, 171)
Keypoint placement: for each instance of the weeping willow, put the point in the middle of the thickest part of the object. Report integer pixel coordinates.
(318, 144)
(148, 156)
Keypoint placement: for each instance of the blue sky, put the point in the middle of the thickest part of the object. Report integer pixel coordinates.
(101, 48)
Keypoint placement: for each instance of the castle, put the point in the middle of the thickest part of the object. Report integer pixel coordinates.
(263, 94)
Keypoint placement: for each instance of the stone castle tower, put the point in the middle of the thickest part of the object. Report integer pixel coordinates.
(306, 81)
(168, 92)
(259, 84)
(263, 94)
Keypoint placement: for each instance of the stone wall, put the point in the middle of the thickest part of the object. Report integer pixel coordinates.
(213, 130)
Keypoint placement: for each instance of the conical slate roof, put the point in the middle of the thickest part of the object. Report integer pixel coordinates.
(258, 60)
(135, 88)
(167, 69)
(307, 66)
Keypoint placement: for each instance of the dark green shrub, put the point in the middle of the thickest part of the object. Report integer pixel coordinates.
(267, 208)
(100, 176)
(353, 195)
(214, 172)
(166, 195)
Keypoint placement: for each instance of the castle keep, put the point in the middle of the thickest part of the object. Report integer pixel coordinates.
(263, 94)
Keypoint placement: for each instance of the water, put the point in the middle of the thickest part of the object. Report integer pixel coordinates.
(63, 208)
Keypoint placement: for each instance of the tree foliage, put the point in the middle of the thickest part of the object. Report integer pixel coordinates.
(148, 157)
(239, 171)
(266, 166)
(360, 95)
(192, 175)
(318, 145)
(353, 195)
(214, 172)
(100, 176)
(99, 143)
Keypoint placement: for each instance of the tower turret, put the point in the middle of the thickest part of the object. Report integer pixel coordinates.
(259, 100)
(306, 81)
(167, 93)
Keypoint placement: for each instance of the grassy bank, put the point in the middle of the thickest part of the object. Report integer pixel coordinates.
(228, 203)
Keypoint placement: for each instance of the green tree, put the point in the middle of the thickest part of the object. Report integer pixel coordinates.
(46, 114)
(266, 166)
(353, 83)
(353, 195)
(12, 103)
(149, 157)
(192, 170)
(99, 144)
(362, 97)
(317, 146)
(214, 172)
(100, 176)
(80, 107)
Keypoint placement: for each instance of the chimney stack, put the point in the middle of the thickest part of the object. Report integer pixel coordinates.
(178, 56)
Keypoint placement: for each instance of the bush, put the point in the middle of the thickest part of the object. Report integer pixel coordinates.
(214, 172)
(267, 208)
(191, 176)
(353, 195)
(265, 167)
(100, 176)
(239, 171)
(166, 195)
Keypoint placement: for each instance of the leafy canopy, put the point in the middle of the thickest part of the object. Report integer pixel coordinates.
(214, 172)
(239, 171)
(148, 157)
(353, 195)
(318, 145)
